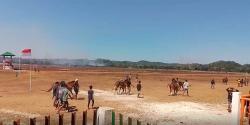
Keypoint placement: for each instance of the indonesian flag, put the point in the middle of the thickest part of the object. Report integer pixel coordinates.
(26, 52)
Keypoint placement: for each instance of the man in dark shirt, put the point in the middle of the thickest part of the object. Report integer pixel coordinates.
(139, 87)
(212, 84)
(90, 96)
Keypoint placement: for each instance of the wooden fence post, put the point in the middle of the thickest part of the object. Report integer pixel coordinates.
(148, 124)
(120, 119)
(1, 123)
(129, 121)
(113, 118)
(248, 113)
(95, 117)
(138, 122)
(73, 118)
(47, 120)
(61, 119)
(16, 122)
(32, 121)
(84, 117)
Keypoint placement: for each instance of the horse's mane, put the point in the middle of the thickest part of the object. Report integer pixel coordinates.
(71, 82)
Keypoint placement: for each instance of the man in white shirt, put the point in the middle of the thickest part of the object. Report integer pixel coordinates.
(185, 87)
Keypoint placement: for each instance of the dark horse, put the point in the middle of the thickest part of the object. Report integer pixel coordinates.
(225, 80)
(174, 87)
(121, 86)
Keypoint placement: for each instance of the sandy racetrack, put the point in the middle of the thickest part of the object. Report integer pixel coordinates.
(205, 105)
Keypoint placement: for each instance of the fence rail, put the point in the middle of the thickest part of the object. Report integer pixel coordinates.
(32, 121)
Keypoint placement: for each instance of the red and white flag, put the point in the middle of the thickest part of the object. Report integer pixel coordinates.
(26, 52)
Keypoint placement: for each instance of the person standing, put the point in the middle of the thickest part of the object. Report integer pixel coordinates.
(63, 96)
(212, 84)
(139, 87)
(186, 87)
(91, 96)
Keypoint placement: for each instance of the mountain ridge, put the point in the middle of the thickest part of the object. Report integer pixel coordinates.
(221, 65)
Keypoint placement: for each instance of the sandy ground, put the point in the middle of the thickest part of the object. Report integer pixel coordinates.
(204, 106)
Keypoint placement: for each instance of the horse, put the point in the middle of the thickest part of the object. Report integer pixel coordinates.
(174, 87)
(73, 85)
(128, 84)
(120, 87)
(70, 85)
(225, 80)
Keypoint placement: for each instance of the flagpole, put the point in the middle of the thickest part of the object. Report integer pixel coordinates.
(27, 53)
(19, 64)
(30, 74)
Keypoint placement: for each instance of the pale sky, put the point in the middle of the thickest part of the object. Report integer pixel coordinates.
(182, 31)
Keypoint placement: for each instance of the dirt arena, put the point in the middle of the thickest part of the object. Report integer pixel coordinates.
(204, 106)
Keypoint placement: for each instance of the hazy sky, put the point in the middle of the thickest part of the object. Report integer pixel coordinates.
(181, 31)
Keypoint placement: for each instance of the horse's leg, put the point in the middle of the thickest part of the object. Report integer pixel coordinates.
(120, 90)
(76, 95)
(117, 90)
(170, 88)
(70, 90)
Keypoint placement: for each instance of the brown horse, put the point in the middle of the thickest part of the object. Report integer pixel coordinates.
(174, 87)
(121, 86)
(70, 86)
(225, 80)
(128, 84)
(73, 85)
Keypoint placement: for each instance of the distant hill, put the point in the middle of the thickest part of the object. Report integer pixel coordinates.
(227, 66)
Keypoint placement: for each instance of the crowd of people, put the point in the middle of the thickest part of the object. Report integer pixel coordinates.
(61, 92)
(241, 82)
(60, 95)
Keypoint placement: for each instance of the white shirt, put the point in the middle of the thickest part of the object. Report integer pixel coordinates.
(185, 85)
